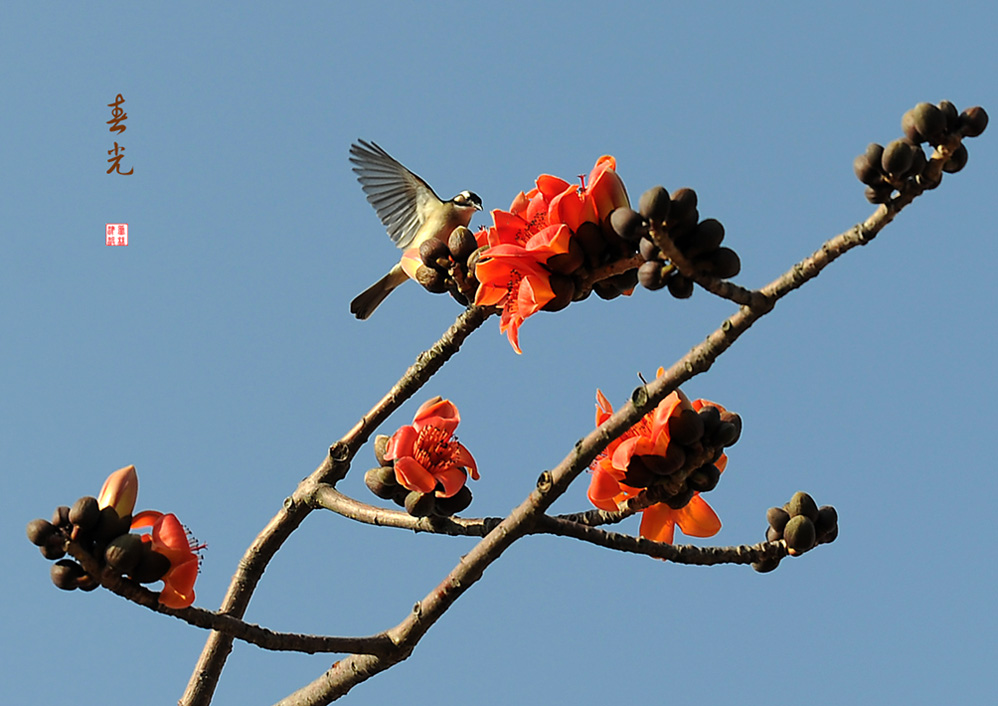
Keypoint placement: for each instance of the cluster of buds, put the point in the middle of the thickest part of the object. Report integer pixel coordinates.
(99, 528)
(448, 266)
(676, 218)
(422, 467)
(699, 434)
(802, 525)
(886, 170)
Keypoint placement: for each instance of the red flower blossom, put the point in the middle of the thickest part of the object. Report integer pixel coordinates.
(427, 458)
(647, 444)
(515, 272)
(169, 538)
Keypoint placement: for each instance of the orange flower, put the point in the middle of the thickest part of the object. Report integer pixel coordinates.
(426, 458)
(515, 272)
(517, 277)
(120, 491)
(642, 450)
(169, 538)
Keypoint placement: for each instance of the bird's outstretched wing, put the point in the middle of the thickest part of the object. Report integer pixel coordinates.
(399, 197)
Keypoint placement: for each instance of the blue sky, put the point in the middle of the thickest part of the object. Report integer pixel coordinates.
(217, 354)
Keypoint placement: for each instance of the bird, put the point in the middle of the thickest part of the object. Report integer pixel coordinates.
(410, 210)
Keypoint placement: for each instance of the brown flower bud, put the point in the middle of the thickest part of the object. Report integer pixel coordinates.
(381, 481)
(124, 552)
(956, 161)
(456, 503)
(799, 534)
(686, 427)
(973, 121)
(683, 207)
(564, 291)
(777, 518)
(766, 565)
(39, 532)
(66, 574)
(419, 504)
(898, 157)
(680, 287)
(433, 280)
(432, 251)
(654, 204)
(802, 504)
(704, 479)
(85, 512)
(461, 244)
(628, 224)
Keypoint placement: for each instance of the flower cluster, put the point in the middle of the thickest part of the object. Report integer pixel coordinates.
(100, 527)
(423, 467)
(671, 456)
(537, 248)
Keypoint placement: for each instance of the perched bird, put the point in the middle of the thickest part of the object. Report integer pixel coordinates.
(410, 210)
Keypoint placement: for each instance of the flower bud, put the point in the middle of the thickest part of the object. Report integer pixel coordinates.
(683, 207)
(897, 158)
(628, 224)
(456, 503)
(766, 565)
(956, 161)
(927, 121)
(686, 427)
(704, 479)
(564, 291)
(110, 525)
(802, 504)
(827, 521)
(380, 446)
(951, 114)
(419, 504)
(85, 513)
(973, 121)
(799, 534)
(461, 244)
(654, 274)
(120, 491)
(736, 421)
(66, 574)
(777, 518)
(152, 566)
(654, 204)
(60, 517)
(433, 280)
(39, 532)
(432, 252)
(680, 287)
(381, 481)
(680, 499)
(124, 552)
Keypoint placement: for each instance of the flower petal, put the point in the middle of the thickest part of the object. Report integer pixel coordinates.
(698, 519)
(452, 479)
(602, 491)
(439, 413)
(463, 457)
(402, 443)
(658, 523)
(411, 474)
(178, 585)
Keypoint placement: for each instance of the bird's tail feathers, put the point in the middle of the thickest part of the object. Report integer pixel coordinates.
(367, 301)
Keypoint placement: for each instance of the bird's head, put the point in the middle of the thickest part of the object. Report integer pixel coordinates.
(468, 200)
